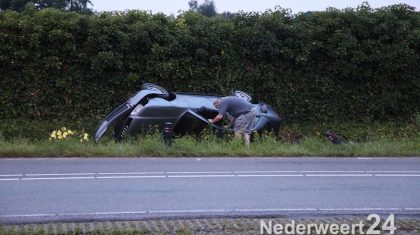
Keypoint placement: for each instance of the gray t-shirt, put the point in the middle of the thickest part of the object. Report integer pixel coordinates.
(235, 106)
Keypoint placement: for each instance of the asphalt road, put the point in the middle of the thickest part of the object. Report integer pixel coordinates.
(86, 189)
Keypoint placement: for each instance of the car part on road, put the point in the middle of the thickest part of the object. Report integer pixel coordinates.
(334, 138)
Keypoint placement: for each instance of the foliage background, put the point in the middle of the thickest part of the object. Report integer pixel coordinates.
(334, 65)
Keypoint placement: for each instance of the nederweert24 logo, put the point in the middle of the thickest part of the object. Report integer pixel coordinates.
(362, 227)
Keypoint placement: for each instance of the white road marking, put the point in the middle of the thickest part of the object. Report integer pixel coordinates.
(332, 171)
(20, 175)
(59, 174)
(295, 175)
(59, 178)
(394, 171)
(412, 209)
(206, 174)
(339, 175)
(131, 177)
(199, 172)
(245, 210)
(103, 213)
(276, 209)
(395, 175)
(132, 173)
(186, 211)
(240, 172)
(28, 215)
(198, 176)
(362, 209)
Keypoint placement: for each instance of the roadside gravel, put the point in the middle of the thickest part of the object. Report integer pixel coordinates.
(406, 226)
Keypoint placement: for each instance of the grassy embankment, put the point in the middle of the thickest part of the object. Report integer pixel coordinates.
(28, 139)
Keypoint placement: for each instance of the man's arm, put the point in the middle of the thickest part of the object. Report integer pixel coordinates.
(216, 119)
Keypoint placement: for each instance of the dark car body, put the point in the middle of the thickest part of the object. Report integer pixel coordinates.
(153, 106)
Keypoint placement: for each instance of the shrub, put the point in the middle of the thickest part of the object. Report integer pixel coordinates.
(333, 65)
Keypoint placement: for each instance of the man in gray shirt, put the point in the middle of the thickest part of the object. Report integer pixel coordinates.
(242, 115)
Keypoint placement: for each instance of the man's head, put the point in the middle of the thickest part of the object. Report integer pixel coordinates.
(217, 102)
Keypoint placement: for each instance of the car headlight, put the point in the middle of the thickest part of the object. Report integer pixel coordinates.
(136, 110)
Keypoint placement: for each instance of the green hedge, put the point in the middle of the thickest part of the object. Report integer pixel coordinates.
(341, 65)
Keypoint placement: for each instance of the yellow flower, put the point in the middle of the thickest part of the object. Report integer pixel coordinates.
(64, 134)
(84, 137)
(60, 137)
(59, 132)
(53, 135)
(63, 128)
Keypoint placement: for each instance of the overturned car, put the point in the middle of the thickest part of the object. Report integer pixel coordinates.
(186, 113)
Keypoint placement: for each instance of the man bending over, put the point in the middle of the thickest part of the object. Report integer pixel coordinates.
(242, 112)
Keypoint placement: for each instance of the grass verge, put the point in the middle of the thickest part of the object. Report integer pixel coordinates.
(188, 146)
(26, 138)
